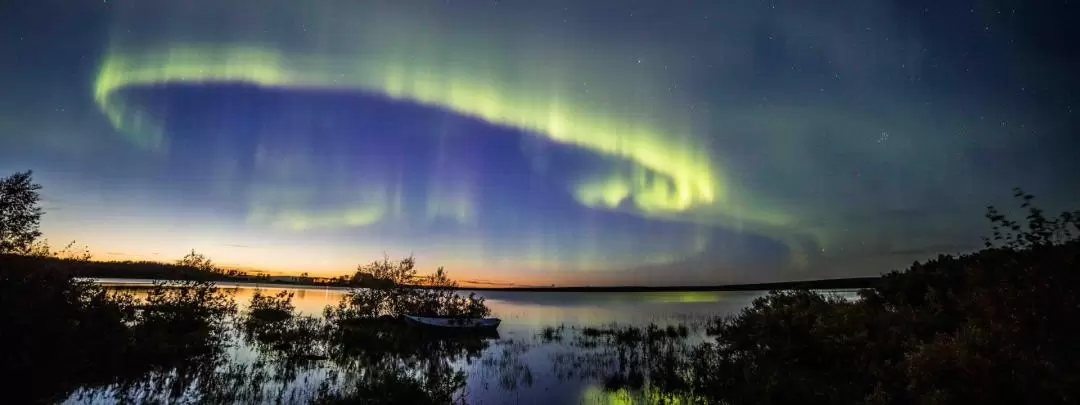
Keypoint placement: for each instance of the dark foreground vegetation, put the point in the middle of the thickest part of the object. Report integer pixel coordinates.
(169, 343)
(995, 326)
(59, 333)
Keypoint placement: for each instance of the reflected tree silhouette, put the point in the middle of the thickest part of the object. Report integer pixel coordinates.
(379, 361)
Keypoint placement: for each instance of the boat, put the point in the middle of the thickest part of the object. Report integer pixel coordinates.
(456, 323)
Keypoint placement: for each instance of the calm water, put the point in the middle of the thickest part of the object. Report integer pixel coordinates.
(519, 366)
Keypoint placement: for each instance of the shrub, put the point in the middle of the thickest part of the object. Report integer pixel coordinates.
(271, 308)
(183, 318)
(401, 291)
(271, 322)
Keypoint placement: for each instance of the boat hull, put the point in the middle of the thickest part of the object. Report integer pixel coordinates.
(455, 323)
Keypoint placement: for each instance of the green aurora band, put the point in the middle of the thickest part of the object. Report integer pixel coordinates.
(580, 98)
(689, 178)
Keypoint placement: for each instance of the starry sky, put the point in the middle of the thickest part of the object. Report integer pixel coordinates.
(540, 142)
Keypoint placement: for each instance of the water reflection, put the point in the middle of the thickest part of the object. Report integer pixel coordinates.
(551, 348)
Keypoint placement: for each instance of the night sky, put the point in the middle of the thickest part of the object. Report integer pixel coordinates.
(540, 142)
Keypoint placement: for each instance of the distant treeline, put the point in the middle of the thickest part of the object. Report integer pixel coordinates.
(171, 271)
(124, 269)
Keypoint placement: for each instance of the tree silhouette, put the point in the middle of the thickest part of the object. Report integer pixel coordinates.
(20, 214)
(1040, 230)
(198, 261)
(41, 248)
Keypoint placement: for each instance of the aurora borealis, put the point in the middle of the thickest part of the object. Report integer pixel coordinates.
(565, 142)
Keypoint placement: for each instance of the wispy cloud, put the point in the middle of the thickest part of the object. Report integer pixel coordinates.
(490, 283)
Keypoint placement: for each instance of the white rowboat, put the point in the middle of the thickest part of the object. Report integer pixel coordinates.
(456, 323)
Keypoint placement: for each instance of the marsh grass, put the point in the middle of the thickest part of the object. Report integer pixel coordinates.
(637, 361)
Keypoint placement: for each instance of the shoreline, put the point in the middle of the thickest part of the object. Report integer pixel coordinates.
(820, 284)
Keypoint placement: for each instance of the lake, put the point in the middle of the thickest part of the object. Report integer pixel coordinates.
(538, 356)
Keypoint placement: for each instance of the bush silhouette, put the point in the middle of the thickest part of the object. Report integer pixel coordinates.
(397, 290)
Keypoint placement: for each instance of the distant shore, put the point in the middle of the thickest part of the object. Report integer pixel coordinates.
(823, 284)
(163, 271)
